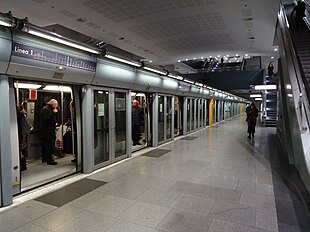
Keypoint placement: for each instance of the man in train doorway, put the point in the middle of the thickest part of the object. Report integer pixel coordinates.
(137, 114)
(47, 130)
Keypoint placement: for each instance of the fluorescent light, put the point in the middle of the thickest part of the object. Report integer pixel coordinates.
(140, 95)
(175, 77)
(265, 87)
(62, 41)
(199, 84)
(258, 99)
(26, 86)
(137, 64)
(57, 88)
(6, 24)
(188, 81)
(255, 95)
(155, 70)
(100, 92)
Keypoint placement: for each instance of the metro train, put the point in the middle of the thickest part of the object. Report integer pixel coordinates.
(94, 122)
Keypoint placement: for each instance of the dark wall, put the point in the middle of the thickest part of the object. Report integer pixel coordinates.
(229, 80)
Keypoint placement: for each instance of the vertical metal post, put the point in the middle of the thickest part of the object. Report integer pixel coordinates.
(128, 123)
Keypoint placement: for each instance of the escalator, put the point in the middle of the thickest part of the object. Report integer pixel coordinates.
(294, 95)
(301, 41)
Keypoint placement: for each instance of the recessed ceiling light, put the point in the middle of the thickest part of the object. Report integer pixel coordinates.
(202, 57)
(246, 54)
(247, 19)
(186, 59)
(272, 57)
(237, 54)
(210, 56)
(151, 61)
(179, 61)
(275, 49)
(195, 58)
(81, 20)
(218, 56)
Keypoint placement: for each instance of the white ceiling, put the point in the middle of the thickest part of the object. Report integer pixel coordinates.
(163, 31)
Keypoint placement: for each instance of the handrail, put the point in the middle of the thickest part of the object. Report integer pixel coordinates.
(300, 78)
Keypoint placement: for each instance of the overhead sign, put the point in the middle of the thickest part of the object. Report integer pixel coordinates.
(26, 51)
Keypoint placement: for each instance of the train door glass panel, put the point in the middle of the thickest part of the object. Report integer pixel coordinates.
(197, 113)
(145, 102)
(101, 127)
(177, 116)
(188, 109)
(201, 112)
(192, 114)
(161, 118)
(168, 117)
(120, 123)
(31, 99)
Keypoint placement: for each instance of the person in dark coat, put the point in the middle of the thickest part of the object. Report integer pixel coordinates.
(252, 114)
(137, 114)
(270, 69)
(300, 13)
(47, 130)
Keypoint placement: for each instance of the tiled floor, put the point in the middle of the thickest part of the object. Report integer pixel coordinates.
(220, 181)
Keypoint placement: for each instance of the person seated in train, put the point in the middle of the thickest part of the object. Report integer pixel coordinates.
(137, 118)
(47, 130)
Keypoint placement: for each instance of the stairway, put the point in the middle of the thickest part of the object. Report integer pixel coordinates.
(271, 103)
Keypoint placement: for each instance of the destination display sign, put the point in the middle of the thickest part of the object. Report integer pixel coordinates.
(34, 53)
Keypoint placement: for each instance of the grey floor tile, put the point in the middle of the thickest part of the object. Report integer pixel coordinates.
(222, 194)
(189, 188)
(123, 226)
(243, 228)
(265, 179)
(56, 217)
(246, 186)
(221, 226)
(265, 189)
(31, 228)
(193, 204)
(86, 222)
(107, 175)
(110, 205)
(234, 213)
(257, 200)
(145, 214)
(190, 177)
(158, 197)
(222, 182)
(22, 214)
(266, 219)
(87, 199)
(182, 221)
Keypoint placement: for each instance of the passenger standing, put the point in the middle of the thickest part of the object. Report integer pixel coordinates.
(270, 69)
(300, 13)
(24, 129)
(47, 130)
(137, 114)
(252, 114)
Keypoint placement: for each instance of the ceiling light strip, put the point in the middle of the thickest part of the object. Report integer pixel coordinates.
(155, 70)
(134, 63)
(175, 77)
(59, 39)
(188, 81)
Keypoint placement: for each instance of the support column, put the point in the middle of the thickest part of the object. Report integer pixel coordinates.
(5, 144)
(88, 128)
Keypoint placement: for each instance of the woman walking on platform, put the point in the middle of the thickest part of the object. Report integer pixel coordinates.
(252, 114)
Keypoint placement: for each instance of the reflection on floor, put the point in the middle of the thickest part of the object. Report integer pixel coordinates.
(38, 172)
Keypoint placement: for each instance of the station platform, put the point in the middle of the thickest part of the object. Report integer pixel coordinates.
(213, 180)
